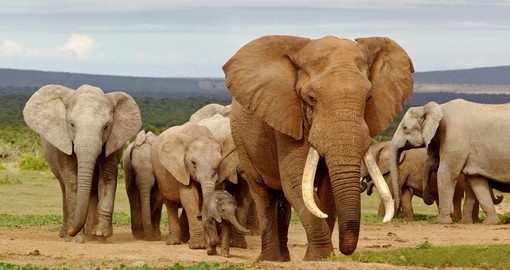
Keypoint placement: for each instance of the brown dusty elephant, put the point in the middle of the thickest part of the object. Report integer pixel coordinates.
(327, 97)
(189, 162)
(82, 134)
(145, 199)
(411, 172)
(208, 111)
(219, 210)
(463, 138)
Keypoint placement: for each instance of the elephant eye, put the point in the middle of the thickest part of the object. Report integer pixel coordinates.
(194, 163)
(312, 98)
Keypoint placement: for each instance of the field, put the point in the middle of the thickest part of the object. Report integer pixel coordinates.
(34, 194)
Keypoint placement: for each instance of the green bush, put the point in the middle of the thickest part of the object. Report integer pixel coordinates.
(30, 162)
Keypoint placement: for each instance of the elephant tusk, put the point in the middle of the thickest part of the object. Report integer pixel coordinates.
(307, 183)
(223, 157)
(381, 185)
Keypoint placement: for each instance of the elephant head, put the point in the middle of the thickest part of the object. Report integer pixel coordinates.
(87, 123)
(330, 94)
(194, 154)
(221, 205)
(417, 129)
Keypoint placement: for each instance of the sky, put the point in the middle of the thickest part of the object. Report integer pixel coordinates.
(194, 38)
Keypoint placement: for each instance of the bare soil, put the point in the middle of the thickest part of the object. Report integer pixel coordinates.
(42, 246)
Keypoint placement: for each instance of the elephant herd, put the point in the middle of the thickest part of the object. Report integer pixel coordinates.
(296, 135)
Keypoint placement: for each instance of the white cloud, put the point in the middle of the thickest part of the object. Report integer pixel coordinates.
(79, 45)
(9, 48)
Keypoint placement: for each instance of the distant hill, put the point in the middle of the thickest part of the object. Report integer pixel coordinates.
(27, 81)
(435, 85)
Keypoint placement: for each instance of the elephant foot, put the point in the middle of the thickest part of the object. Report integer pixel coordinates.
(492, 220)
(225, 253)
(173, 241)
(138, 235)
(408, 218)
(274, 255)
(103, 229)
(197, 243)
(211, 251)
(63, 232)
(239, 242)
(443, 219)
(466, 220)
(314, 253)
(152, 238)
(79, 238)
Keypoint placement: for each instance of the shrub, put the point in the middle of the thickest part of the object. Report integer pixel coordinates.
(30, 162)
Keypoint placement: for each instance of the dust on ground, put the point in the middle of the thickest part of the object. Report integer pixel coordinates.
(42, 246)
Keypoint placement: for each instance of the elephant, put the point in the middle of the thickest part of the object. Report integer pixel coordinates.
(468, 139)
(219, 210)
(219, 126)
(294, 98)
(189, 162)
(208, 111)
(82, 134)
(145, 199)
(410, 166)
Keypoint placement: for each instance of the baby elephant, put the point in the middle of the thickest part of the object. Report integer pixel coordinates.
(218, 212)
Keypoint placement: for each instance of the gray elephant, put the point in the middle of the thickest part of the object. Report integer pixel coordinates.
(219, 210)
(467, 138)
(411, 171)
(145, 199)
(189, 162)
(208, 111)
(82, 134)
(303, 114)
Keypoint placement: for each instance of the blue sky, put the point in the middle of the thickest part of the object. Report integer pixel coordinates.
(194, 38)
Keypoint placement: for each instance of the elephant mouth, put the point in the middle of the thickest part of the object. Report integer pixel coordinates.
(309, 176)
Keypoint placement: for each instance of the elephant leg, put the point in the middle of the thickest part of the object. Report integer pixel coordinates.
(318, 231)
(63, 230)
(241, 193)
(211, 235)
(458, 195)
(226, 230)
(70, 188)
(156, 208)
(135, 208)
(407, 204)
(446, 181)
(183, 223)
(190, 199)
(480, 187)
(107, 187)
(325, 193)
(252, 222)
(469, 203)
(174, 228)
(381, 210)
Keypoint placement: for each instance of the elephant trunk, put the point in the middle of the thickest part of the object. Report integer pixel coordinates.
(346, 191)
(84, 183)
(238, 227)
(427, 174)
(395, 151)
(207, 186)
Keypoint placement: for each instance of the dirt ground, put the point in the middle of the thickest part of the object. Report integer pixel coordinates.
(42, 247)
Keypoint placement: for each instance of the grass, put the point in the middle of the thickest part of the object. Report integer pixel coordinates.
(426, 255)
(177, 266)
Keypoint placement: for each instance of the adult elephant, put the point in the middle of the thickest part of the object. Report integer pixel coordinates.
(82, 134)
(327, 97)
(145, 199)
(208, 111)
(467, 138)
(189, 162)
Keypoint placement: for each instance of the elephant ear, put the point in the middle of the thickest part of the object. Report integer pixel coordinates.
(127, 120)
(382, 156)
(140, 138)
(228, 167)
(392, 82)
(261, 77)
(172, 153)
(432, 115)
(150, 137)
(402, 157)
(45, 113)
